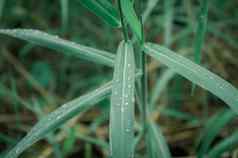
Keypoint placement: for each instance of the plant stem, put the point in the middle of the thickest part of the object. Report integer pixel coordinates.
(124, 27)
(144, 78)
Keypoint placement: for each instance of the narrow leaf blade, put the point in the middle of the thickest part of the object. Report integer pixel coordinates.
(122, 103)
(156, 142)
(201, 31)
(195, 73)
(208, 135)
(53, 42)
(58, 117)
(104, 10)
(227, 144)
(131, 17)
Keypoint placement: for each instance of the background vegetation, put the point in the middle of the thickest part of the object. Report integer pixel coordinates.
(34, 80)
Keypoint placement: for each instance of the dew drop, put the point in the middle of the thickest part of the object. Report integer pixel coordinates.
(58, 117)
(128, 130)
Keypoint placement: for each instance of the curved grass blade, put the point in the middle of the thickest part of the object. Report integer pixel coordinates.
(149, 8)
(227, 144)
(122, 103)
(160, 85)
(200, 34)
(64, 13)
(104, 10)
(156, 142)
(58, 117)
(196, 74)
(168, 21)
(201, 31)
(208, 135)
(69, 48)
(131, 17)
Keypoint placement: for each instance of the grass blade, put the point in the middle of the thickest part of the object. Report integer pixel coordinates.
(58, 117)
(149, 8)
(168, 22)
(160, 85)
(201, 31)
(195, 73)
(131, 17)
(2, 3)
(122, 103)
(64, 14)
(227, 144)
(200, 34)
(208, 135)
(104, 10)
(53, 42)
(156, 142)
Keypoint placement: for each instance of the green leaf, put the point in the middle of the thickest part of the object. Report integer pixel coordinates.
(168, 21)
(208, 135)
(227, 144)
(122, 103)
(58, 117)
(157, 146)
(201, 31)
(195, 73)
(104, 10)
(131, 17)
(200, 34)
(69, 48)
(151, 4)
(64, 13)
(2, 4)
(42, 73)
(160, 85)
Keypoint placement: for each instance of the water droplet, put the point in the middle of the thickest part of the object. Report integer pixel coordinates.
(17, 151)
(58, 117)
(128, 130)
(210, 77)
(126, 103)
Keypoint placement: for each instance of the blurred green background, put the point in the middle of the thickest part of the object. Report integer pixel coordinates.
(34, 81)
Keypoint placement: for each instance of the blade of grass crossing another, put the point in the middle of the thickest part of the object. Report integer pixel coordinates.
(58, 117)
(196, 74)
(200, 34)
(122, 103)
(67, 47)
(227, 144)
(103, 9)
(217, 123)
(131, 18)
(157, 145)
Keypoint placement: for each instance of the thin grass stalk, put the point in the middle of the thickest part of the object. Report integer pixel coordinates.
(124, 26)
